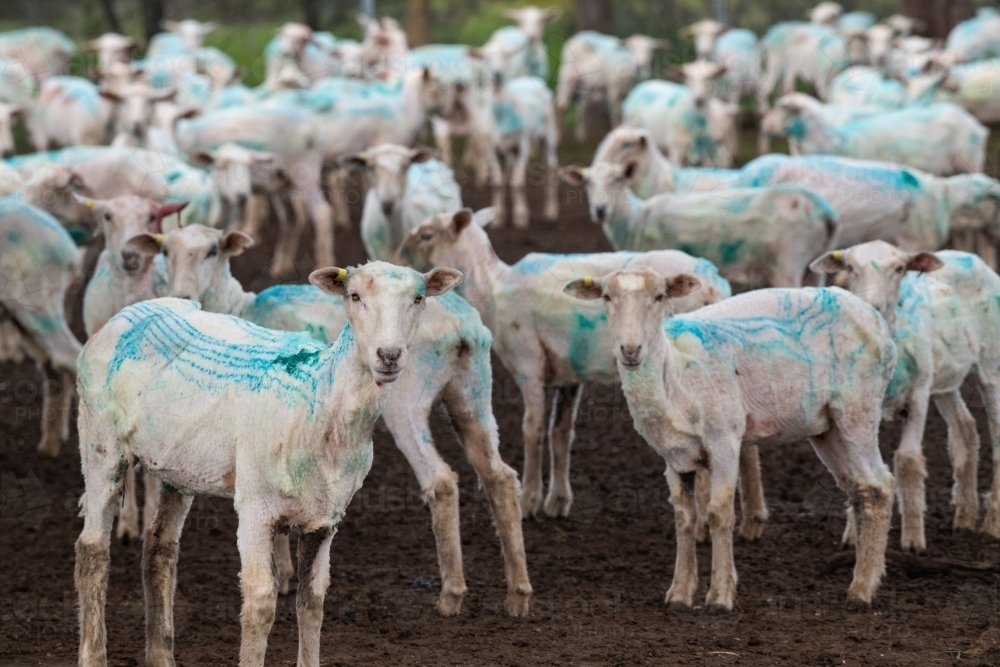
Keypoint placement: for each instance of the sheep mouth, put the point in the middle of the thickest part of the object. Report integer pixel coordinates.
(386, 375)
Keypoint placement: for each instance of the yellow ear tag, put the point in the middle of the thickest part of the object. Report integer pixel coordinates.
(89, 203)
(588, 281)
(158, 238)
(838, 255)
(341, 275)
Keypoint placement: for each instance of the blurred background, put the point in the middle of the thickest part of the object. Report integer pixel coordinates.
(249, 24)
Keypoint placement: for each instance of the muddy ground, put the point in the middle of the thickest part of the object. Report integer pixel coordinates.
(599, 576)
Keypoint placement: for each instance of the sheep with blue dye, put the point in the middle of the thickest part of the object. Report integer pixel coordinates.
(754, 235)
(38, 264)
(43, 51)
(944, 312)
(515, 51)
(548, 341)
(450, 362)
(769, 367)
(214, 405)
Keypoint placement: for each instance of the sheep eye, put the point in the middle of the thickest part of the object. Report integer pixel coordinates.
(419, 299)
(606, 298)
(900, 269)
(355, 297)
(152, 218)
(213, 251)
(427, 236)
(107, 216)
(165, 253)
(659, 298)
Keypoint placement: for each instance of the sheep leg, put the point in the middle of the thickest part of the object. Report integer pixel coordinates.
(284, 254)
(551, 210)
(518, 178)
(680, 595)
(128, 518)
(439, 484)
(752, 504)
(723, 478)
(283, 562)
(911, 471)
(963, 448)
(565, 406)
(533, 428)
(497, 178)
(858, 468)
(472, 415)
(56, 393)
(442, 138)
(151, 484)
(255, 210)
(104, 465)
(990, 392)
(702, 497)
(319, 213)
(254, 538)
(160, 551)
(337, 182)
(580, 124)
(314, 579)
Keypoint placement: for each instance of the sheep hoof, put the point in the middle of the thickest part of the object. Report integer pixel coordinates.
(751, 530)
(517, 604)
(678, 607)
(718, 609)
(449, 604)
(50, 446)
(558, 505)
(991, 523)
(521, 219)
(531, 503)
(856, 604)
(965, 519)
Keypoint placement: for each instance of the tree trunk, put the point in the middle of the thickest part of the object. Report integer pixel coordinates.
(418, 22)
(594, 15)
(939, 16)
(111, 15)
(152, 16)
(310, 8)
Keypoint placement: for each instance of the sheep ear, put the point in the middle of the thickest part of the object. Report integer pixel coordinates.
(681, 285)
(422, 154)
(461, 219)
(584, 288)
(484, 216)
(211, 26)
(169, 25)
(441, 280)
(235, 243)
(332, 280)
(145, 244)
(109, 94)
(831, 262)
(924, 262)
(354, 160)
(629, 171)
(573, 175)
(203, 157)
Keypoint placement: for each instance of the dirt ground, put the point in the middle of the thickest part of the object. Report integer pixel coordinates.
(599, 576)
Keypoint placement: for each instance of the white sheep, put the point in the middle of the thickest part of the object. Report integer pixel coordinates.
(212, 404)
(112, 49)
(769, 367)
(450, 361)
(754, 235)
(519, 51)
(187, 35)
(547, 340)
(38, 264)
(406, 186)
(941, 139)
(944, 313)
(812, 52)
(43, 51)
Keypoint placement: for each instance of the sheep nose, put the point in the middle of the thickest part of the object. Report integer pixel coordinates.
(630, 353)
(387, 207)
(600, 212)
(390, 355)
(184, 295)
(130, 259)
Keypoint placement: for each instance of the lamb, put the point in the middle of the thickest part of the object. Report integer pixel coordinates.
(754, 235)
(112, 49)
(451, 361)
(519, 51)
(767, 367)
(943, 311)
(861, 86)
(384, 48)
(738, 52)
(523, 115)
(294, 136)
(43, 51)
(286, 48)
(545, 340)
(705, 33)
(941, 139)
(974, 39)
(294, 449)
(184, 36)
(808, 51)
(406, 186)
(38, 265)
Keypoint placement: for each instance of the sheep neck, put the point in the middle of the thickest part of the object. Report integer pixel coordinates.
(623, 220)
(484, 272)
(227, 296)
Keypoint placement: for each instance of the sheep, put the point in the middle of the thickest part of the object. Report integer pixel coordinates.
(294, 136)
(942, 310)
(286, 48)
(972, 86)
(522, 115)
(752, 234)
(973, 39)
(383, 50)
(9, 114)
(112, 49)
(941, 139)
(451, 360)
(780, 121)
(43, 51)
(768, 367)
(17, 86)
(38, 265)
(519, 51)
(277, 421)
(545, 340)
(689, 125)
(184, 36)
(861, 86)
(705, 33)
(52, 189)
(738, 52)
(71, 111)
(808, 51)
(406, 186)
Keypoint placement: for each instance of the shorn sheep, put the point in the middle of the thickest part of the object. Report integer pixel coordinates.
(769, 367)
(214, 405)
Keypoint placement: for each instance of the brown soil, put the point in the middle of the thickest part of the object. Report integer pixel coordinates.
(599, 576)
